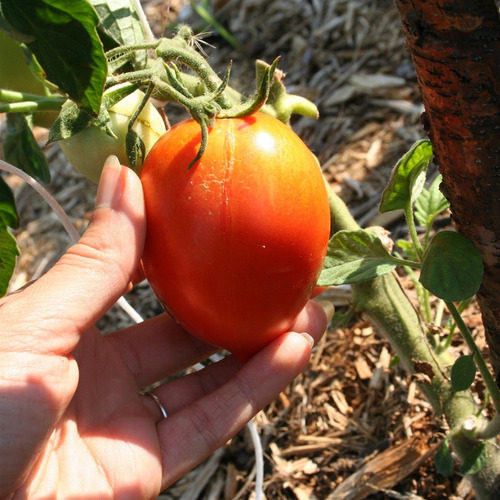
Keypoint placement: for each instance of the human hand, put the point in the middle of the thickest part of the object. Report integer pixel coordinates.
(74, 424)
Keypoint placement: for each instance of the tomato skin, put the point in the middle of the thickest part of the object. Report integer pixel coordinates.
(235, 244)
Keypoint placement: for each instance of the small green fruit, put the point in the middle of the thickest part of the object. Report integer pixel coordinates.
(87, 150)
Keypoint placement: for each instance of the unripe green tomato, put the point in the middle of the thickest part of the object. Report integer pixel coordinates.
(87, 150)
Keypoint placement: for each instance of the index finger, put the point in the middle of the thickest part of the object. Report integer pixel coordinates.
(92, 274)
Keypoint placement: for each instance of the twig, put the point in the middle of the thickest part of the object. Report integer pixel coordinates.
(204, 476)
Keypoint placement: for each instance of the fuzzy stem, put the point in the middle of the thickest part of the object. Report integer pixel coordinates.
(32, 106)
(15, 96)
(141, 75)
(427, 306)
(413, 230)
(339, 213)
(125, 49)
(178, 50)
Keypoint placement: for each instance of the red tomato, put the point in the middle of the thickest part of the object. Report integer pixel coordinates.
(235, 244)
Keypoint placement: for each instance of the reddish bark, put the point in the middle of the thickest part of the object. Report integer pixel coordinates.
(455, 46)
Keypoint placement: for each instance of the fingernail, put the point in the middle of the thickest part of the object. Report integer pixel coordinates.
(328, 307)
(110, 188)
(308, 338)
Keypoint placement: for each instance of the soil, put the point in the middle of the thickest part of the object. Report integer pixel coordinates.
(353, 425)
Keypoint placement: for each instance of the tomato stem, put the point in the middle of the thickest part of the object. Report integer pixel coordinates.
(46, 104)
(141, 76)
(173, 85)
(205, 96)
(22, 102)
(180, 50)
(280, 103)
(125, 49)
(413, 230)
(255, 102)
(175, 79)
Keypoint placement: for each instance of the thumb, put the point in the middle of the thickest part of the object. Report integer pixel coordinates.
(98, 269)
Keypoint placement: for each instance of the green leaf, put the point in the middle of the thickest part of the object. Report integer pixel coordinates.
(394, 361)
(8, 255)
(408, 178)
(452, 267)
(475, 460)
(444, 460)
(21, 149)
(117, 93)
(408, 249)
(120, 25)
(62, 35)
(8, 211)
(430, 203)
(355, 256)
(463, 373)
(70, 121)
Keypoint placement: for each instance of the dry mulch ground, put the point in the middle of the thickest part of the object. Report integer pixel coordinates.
(351, 426)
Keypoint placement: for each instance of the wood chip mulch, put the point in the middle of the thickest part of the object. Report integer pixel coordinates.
(352, 426)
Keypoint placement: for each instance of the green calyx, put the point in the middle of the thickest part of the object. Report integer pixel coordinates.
(199, 89)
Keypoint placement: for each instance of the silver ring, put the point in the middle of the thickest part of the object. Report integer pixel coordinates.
(158, 402)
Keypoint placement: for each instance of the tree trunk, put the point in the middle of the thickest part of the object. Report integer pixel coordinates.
(455, 46)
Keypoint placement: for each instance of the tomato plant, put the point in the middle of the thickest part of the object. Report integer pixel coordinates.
(235, 243)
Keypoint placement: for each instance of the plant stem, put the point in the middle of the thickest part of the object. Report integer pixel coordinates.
(480, 362)
(32, 106)
(427, 306)
(124, 49)
(413, 230)
(195, 86)
(438, 318)
(140, 76)
(339, 213)
(12, 96)
(179, 51)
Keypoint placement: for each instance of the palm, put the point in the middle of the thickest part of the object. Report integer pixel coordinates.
(111, 442)
(106, 430)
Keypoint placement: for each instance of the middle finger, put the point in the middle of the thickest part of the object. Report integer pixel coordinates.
(158, 348)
